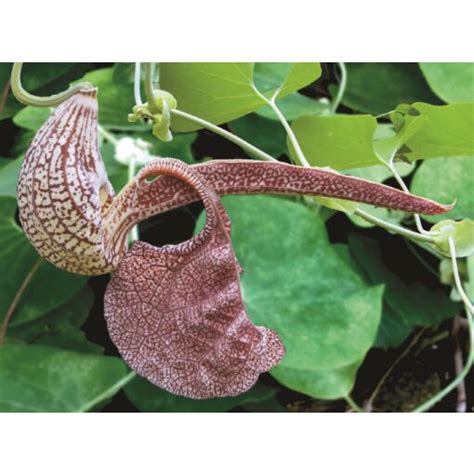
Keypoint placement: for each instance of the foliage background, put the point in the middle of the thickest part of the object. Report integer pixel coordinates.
(349, 300)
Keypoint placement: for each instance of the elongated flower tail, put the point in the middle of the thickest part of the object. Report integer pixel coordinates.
(63, 190)
(256, 177)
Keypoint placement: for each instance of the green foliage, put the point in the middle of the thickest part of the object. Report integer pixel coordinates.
(147, 397)
(377, 88)
(221, 92)
(338, 141)
(44, 378)
(23, 263)
(406, 306)
(261, 132)
(447, 180)
(447, 132)
(452, 82)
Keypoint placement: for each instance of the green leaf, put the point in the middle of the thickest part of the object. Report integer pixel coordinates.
(296, 282)
(446, 132)
(48, 379)
(61, 326)
(323, 384)
(9, 171)
(116, 100)
(294, 106)
(338, 141)
(32, 118)
(410, 305)
(444, 180)
(221, 92)
(149, 398)
(20, 264)
(261, 132)
(377, 88)
(287, 77)
(453, 82)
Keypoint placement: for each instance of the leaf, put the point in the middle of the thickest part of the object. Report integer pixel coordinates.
(411, 304)
(262, 133)
(149, 398)
(31, 118)
(338, 141)
(296, 283)
(446, 132)
(20, 261)
(323, 384)
(61, 326)
(377, 88)
(221, 92)
(116, 100)
(187, 334)
(48, 379)
(453, 82)
(446, 180)
(294, 106)
(9, 172)
(287, 77)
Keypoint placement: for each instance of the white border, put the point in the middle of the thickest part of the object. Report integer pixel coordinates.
(239, 30)
(235, 443)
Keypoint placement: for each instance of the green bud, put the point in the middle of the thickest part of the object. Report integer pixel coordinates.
(462, 233)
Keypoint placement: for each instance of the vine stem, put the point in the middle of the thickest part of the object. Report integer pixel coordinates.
(470, 358)
(353, 404)
(16, 299)
(246, 146)
(150, 94)
(292, 137)
(48, 101)
(409, 234)
(136, 84)
(342, 88)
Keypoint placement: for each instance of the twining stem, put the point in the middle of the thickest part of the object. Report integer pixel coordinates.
(136, 84)
(391, 166)
(246, 146)
(49, 101)
(342, 88)
(353, 404)
(458, 365)
(291, 136)
(409, 234)
(150, 94)
(16, 299)
(470, 358)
